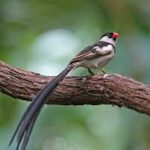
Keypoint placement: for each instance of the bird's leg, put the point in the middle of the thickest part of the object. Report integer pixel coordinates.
(103, 71)
(90, 71)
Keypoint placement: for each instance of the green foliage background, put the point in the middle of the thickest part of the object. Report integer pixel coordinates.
(42, 36)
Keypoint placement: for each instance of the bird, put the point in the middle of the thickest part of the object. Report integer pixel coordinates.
(96, 55)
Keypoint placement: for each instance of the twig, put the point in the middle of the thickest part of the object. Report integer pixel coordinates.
(112, 89)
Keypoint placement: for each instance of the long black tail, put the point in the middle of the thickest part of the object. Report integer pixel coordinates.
(26, 123)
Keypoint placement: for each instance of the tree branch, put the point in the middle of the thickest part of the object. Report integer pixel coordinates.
(113, 89)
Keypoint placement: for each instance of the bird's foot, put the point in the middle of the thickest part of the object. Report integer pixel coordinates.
(103, 71)
(90, 72)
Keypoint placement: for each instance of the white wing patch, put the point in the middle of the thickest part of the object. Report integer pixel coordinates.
(107, 48)
(104, 50)
(97, 48)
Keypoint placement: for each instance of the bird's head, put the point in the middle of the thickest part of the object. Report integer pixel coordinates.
(110, 37)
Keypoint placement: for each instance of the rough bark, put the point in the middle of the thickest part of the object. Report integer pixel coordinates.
(99, 89)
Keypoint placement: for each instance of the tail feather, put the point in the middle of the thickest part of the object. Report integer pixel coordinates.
(28, 119)
(41, 99)
(24, 138)
(28, 133)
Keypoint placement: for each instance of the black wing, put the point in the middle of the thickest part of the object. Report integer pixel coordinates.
(90, 52)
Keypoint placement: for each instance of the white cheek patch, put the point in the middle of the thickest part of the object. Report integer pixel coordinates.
(108, 40)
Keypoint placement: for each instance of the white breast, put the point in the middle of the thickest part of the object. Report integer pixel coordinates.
(101, 61)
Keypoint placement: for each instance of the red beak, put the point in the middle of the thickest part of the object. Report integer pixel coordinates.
(115, 35)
